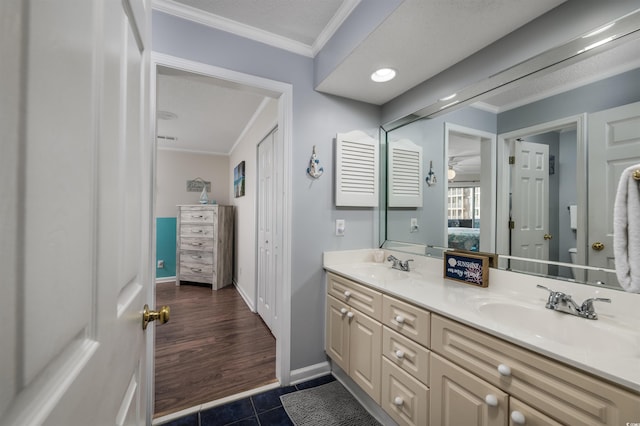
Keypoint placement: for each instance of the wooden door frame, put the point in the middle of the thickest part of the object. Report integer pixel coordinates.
(502, 214)
(285, 124)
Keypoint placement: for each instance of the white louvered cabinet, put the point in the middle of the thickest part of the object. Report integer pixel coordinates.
(204, 245)
(357, 158)
(405, 174)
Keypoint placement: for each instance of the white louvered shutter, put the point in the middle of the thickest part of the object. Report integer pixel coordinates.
(356, 169)
(405, 174)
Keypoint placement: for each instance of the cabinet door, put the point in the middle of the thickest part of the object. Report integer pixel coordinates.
(404, 398)
(365, 353)
(460, 398)
(337, 333)
(522, 414)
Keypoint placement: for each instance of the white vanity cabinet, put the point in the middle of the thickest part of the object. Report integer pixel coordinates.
(353, 339)
(539, 389)
(204, 245)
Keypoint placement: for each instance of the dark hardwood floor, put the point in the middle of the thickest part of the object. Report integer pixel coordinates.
(213, 346)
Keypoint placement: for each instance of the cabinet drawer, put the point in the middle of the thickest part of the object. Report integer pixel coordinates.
(187, 275)
(404, 398)
(196, 243)
(406, 319)
(519, 412)
(197, 215)
(559, 391)
(364, 299)
(197, 258)
(406, 354)
(207, 231)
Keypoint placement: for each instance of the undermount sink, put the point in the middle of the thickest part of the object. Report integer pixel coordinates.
(379, 272)
(560, 328)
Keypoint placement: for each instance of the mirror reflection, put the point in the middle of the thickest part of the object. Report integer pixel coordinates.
(531, 172)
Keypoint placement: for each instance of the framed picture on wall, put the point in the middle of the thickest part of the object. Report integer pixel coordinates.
(238, 180)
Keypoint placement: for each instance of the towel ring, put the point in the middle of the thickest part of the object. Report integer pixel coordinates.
(636, 174)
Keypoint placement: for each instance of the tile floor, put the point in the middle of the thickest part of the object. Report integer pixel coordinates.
(264, 409)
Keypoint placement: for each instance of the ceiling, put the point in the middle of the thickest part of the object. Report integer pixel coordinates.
(303, 26)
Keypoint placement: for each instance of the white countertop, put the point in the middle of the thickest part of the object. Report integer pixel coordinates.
(611, 344)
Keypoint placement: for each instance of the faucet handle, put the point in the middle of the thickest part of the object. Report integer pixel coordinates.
(587, 309)
(554, 297)
(545, 288)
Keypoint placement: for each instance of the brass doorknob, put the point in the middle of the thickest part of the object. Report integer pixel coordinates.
(147, 316)
(548, 236)
(597, 246)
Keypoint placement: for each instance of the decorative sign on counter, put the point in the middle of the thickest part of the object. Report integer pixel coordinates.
(467, 268)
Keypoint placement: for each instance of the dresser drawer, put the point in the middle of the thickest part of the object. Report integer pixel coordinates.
(362, 298)
(565, 394)
(406, 319)
(196, 243)
(187, 231)
(404, 398)
(197, 277)
(406, 354)
(194, 258)
(197, 215)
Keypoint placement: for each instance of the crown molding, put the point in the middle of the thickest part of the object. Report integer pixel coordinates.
(334, 24)
(214, 21)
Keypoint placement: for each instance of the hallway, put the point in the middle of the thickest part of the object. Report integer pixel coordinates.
(212, 347)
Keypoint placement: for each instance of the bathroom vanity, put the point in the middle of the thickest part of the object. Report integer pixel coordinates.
(433, 351)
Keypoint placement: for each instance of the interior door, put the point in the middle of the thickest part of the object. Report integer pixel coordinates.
(266, 206)
(614, 145)
(76, 186)
(530, 206)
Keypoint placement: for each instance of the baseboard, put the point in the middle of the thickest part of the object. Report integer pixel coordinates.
(245, 297)
(365, 400)
(310, 372)
(165, 280)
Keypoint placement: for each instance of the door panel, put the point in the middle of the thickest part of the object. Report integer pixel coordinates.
(266, 222)
(79, 186)
(614, 145)
(530, 205)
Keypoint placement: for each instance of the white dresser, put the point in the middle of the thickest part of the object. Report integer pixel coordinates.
(204, 245)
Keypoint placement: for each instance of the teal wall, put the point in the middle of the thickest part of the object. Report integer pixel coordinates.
(166, 246)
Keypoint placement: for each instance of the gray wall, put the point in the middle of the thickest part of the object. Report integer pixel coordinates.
(316, 120)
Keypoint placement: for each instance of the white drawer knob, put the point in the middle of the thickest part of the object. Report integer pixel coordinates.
(518, 418)
(349, 314)
(343, 311)
(399, 319)
(504, 370)
(399, 354)
(398, 401)
(347, 294)
(491, 400)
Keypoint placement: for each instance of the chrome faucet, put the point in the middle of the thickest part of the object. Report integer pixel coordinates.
(399, 264)
(561, 302)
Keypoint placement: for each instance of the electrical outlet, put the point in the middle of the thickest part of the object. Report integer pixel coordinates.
(414, 224)
(160, 264)
(340, 224)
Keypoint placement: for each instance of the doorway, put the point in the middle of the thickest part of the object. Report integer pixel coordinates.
(282, 93)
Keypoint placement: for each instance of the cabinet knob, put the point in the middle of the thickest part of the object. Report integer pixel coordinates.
(347, 294)
(399, 319)
(504, 370)
(197, 231)
(518, 418)
(399, 354)
(491, 400)
(398, 401)
(349, 314)
(196, 269)
(343, 311)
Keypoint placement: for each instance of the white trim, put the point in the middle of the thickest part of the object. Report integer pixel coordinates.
(245, 297)
(283, 92)
(193, 151)
(334, 24)
(310, 372)
(580, 122)
(214, 21)
(252, 120)
(165, 279)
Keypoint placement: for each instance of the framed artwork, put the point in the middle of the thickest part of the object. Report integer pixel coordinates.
(238, 180)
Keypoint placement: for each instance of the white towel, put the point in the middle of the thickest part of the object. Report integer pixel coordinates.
(626, 231)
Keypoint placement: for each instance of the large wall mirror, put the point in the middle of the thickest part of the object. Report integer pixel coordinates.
(529, 170)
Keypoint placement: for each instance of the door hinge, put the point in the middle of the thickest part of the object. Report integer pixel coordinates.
(512, 159)
(512, 224)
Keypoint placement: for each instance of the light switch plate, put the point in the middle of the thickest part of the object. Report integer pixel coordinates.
(340, 223)
(414, 224)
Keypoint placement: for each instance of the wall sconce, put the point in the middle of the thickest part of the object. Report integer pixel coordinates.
(451, 174)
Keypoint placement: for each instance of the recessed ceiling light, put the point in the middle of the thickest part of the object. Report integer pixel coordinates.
(446, 98)
(166, 115)
(383, 74)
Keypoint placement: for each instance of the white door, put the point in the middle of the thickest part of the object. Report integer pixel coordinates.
(530, 206)
(266, 222)
(614, 145)
(75, 183)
